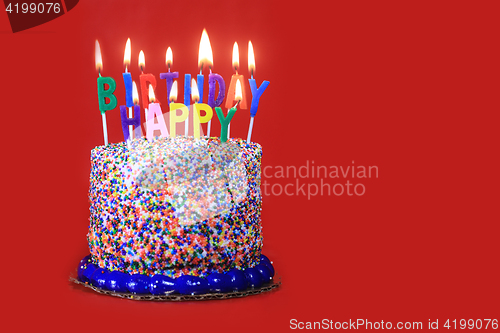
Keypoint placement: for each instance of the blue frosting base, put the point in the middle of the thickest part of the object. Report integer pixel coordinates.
(233, 280)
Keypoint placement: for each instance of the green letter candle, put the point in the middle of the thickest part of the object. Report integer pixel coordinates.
(224, 122)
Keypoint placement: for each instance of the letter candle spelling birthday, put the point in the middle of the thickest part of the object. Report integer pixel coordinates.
(234, 78)
(103, 93)
(237, 98)
(256, 92)
(169, 77)
(145, 81)
(127, 80)
(193, 89)
(205, 58)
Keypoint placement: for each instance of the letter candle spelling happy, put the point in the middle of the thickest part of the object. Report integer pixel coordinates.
(103, 93)
(154, 110)
(131, 121)
(256, 92)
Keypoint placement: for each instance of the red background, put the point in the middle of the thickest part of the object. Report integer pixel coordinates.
(412, 88)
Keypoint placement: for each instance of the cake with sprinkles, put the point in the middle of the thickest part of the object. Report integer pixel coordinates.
(176, 216)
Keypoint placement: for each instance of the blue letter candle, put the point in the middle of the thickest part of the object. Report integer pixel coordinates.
(200, 80)
(127, 80)
(187, 89)
(256, 93)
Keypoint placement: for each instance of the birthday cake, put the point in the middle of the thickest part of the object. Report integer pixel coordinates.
(175, 215)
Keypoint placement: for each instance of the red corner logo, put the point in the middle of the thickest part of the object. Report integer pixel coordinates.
(29, 14)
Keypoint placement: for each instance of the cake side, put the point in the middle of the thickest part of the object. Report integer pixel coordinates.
(175, 207)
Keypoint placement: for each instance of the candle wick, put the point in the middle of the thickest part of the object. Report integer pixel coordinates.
(126, 70)
(169, 67)
(210, 67)
(99, 72)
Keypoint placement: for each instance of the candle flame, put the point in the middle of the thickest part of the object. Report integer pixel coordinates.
(195, 94)
(152, 97)
(205, 56)
(236, 57)
(127, 54)
(135, 94)
(173, 92)
(251, 59)
(237, 92)
(169, 57)
(142, 61)
(98, 57)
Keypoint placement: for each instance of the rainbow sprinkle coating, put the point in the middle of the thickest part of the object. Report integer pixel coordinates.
(175, 206)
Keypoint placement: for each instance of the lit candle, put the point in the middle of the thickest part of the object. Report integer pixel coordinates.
(174, 118)
(145, 80)
(205, 58)
(128, 122)
(237, 98)
(195, 96)
(103, 93)
(198, 119)
(169, 77)
(127, 80)
(256, 92)
(236, 77)
(154, 110)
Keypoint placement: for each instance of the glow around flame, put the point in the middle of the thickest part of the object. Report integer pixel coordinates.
(142, 61)
(98, 57)
(152, 97)
(205, 56)
(127, 54)
(195, 94)
(237, 92)
(236, 57)
(135, 94)
(173, 92)
(251, 59)
(169, 58)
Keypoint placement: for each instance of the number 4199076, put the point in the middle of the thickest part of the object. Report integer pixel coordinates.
(471, 324)
(39, 8)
